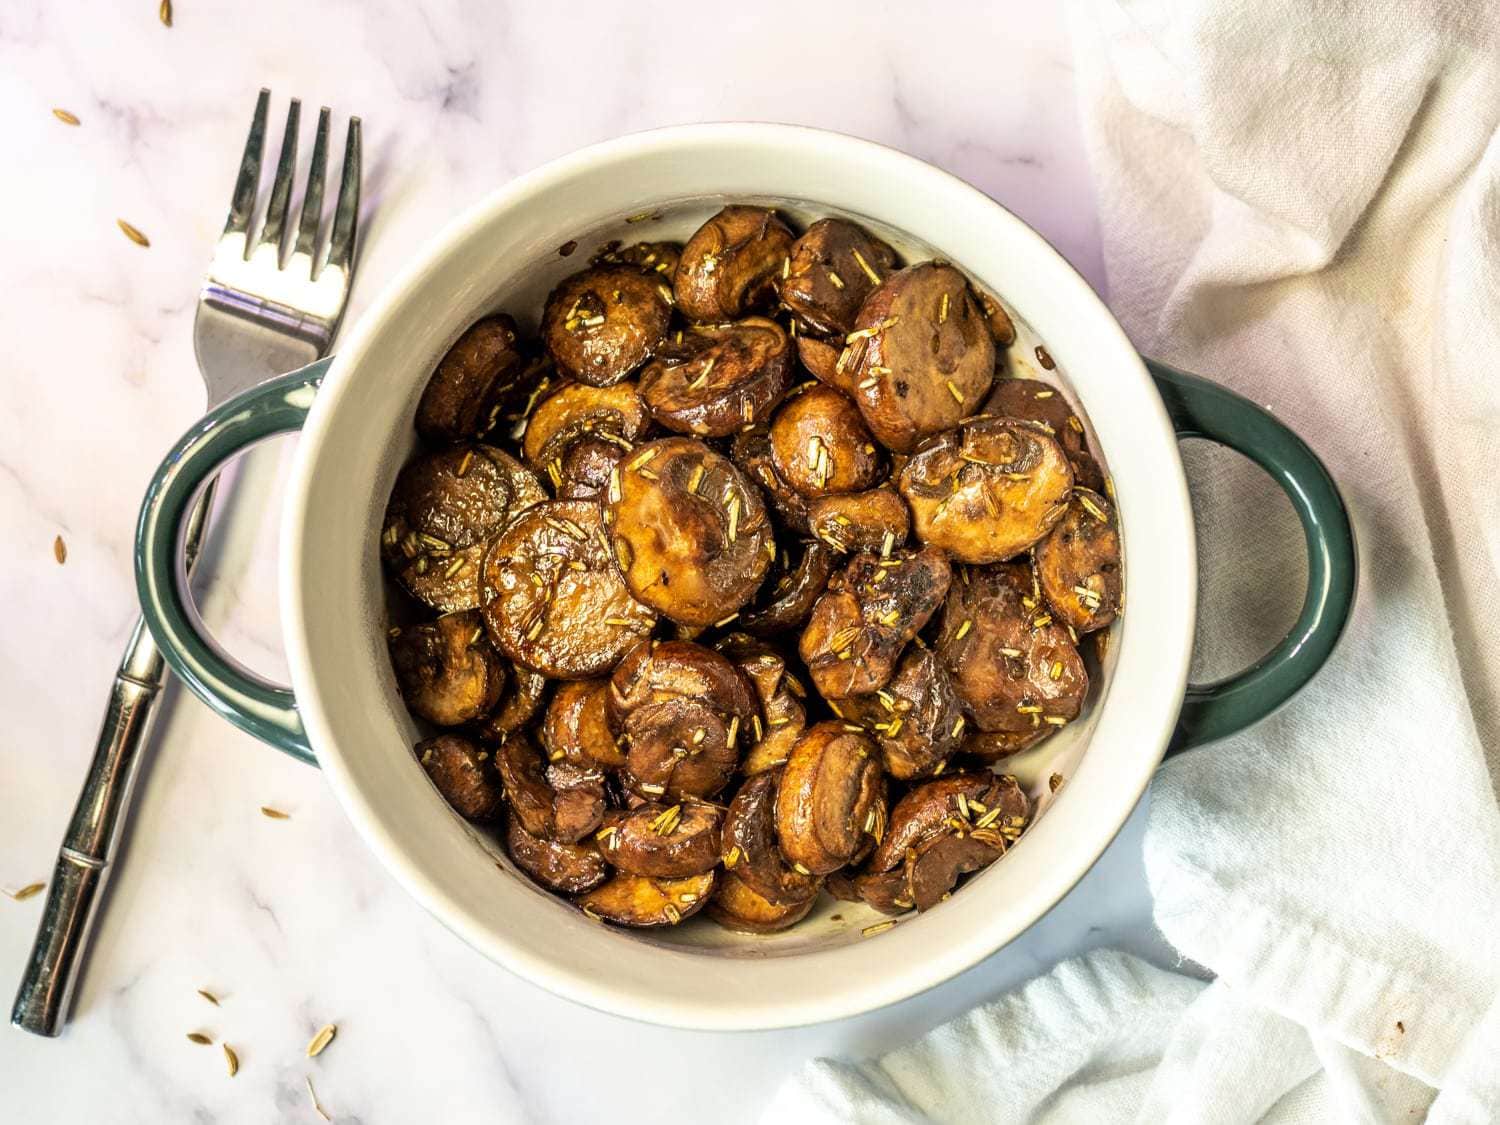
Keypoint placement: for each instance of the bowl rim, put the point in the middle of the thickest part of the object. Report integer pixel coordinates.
(1116, 785)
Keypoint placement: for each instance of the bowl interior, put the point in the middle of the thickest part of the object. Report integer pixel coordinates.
(506, 256)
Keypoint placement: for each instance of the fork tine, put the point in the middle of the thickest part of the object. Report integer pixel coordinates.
(281, 187)
(346, 210)
(312, 200)
(242, 206)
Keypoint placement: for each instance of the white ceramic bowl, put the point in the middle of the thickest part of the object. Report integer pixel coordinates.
(503, 254)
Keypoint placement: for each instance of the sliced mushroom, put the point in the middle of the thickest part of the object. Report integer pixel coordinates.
(553, 599)
(569, 869)
(832, 268)
(603, 323)
(735, 906)
(663, 841)
(991, 746)
(831, 798)
(720, 379)
(783, 718)
(460, 770)
(522, 770)
(750, 851)
(653, 257)
(577, 412)
(1033, 400)
(578, 801)
(789, 594)
(585, 469)
(729, 266)
(690, 532)
(827, 361)
(1014, 667)
(637, 900)
(751, 452)
(820, 444)
(923, 354)
(446, 670)
(916, 718)
(681, 709)
(443, 508)
(870, 610)
(1078, 564)
(1002, 328)
(988, 490)
(958, 802)
(861, 521)
(480, 374)
(528, 691)
(577, 728)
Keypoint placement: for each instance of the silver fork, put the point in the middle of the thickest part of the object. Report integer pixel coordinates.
(258, 316)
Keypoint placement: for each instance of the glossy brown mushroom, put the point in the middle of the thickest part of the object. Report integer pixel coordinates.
(923, 354)
(603, 323)
(861, 521)
(446, 670)
(663, 841)
(568, 869)
(444, 507)
(553, 599)
(749, 844)
(577, 412)
(641, 901)
(659, 258)
(1078, 564)
(826, 359)
(820, 444)
(460, 770)
(988, 490)
(689, 532)
(584, 471)
(473, 383)
(830, 800)
(830, 271)
(1033, 400)
(577, 728)
(871, 609)
(729, 267)
(1002, 328)
(990, 747)
(751, 452)
(916, 718)
(685, 713)
(720, 379)
(737, 907)
(525, 694)
(1013, 665)
(788, 595)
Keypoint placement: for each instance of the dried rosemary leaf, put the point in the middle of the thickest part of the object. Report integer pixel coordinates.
(199, 1038)
(321, 1039)
(274, 814)
(65, 117)
(134, 235)
(313, 1094)
(59, 550)
(231, 1060)
(165, 12)
(209, 996)
(27, 891)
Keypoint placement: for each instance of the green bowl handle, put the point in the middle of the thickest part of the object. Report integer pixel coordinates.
(1202, 409)
(250, 702)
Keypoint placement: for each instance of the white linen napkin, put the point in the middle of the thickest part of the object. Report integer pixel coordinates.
(1299, 199)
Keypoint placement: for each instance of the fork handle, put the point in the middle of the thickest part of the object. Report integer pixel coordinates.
(62, 938)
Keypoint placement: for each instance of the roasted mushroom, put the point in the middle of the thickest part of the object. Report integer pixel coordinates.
(690, 532)
(750, 849)
(789, 594)
(751, 453)
(832, 268)
(583, 472)
(991, 746)
(870, 610)
(480, 374)
(681, 709)
(603, 323)
(577, 728)
(652, 257)
(1078, 564)
(729, 267)
(830, 800)
(1035, 401)
(1014, 667)
(988, 490)
(569, 869)
(916, 718)
(577, 412)
(827, 361)
(780, 696)
(552, 803)
(1002, 328)
(663, 841)
(860, 521)
(923, 354)
(820, 445)
(720, 379)
(553, 599)
(443, 509)
(519, 704)
(447, 670)
(637, 900)
(462, 775)
(735, 906)
(578, 801)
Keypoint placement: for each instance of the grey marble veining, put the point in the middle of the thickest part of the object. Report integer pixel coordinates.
(291, 922)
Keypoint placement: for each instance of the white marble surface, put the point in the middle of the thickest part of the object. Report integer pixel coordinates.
(291, 922)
